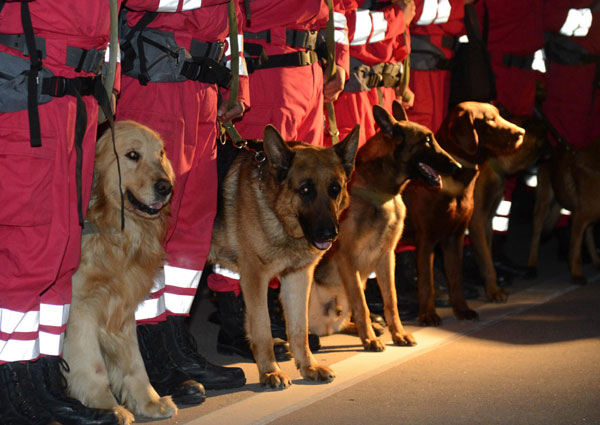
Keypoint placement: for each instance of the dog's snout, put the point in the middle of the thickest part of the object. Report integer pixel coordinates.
(328, 233)
(163, 187)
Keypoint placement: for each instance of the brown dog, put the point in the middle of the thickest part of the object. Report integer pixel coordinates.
(570, 176)
(278, 218)
(372, 225)
(489, 190)
(472, 133)
(116, 273)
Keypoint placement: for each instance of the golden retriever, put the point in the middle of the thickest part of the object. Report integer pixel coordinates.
(116, 273)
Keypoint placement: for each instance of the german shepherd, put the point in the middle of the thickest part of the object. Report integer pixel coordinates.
(278, 217)
(116, 273)
(371, 227)
(569, 177)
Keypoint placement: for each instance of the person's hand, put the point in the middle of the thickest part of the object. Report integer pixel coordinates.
(407, 98)
(333, 87)
(225, 115)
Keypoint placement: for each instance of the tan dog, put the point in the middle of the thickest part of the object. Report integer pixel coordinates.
(472, 133)
(372, 225)
(116, 273)
(279, 216)
(570, 177)
(489, 190)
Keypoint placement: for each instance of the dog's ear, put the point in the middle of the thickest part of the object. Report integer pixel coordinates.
(346, 149)
(464, 133)
(278, 153)
(384, 120)
(398, 111)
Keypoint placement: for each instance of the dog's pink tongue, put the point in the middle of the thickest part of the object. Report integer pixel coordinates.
(156, 205)
(323, 245)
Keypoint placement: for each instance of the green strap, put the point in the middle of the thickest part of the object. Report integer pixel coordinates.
(329, 73)
(405, 77)
(109, 78)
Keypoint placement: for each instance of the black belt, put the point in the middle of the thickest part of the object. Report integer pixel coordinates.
(206, 71)
(517, 61)
(303, 58)
(306, 39)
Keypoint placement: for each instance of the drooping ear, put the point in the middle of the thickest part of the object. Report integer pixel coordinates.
(346, 149)
(384, 120)
(280, 156)
(398, 111)
(464, 133)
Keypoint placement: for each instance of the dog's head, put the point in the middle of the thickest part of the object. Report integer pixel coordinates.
(310, 185)
(476, 130)
(406, 150)
(328, 309)
(146, 176)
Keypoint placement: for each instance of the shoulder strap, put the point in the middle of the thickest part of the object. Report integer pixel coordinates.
(32, 77)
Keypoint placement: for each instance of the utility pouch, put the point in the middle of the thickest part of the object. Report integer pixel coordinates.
(14, 72)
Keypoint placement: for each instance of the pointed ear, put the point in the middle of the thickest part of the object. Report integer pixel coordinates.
(398, 111)
(346, 149)
(384, 120)
(280, 156)
(463, 131)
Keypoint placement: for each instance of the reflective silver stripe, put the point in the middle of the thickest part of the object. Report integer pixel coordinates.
(463, 39)
(373, 275)
(503, 208)
(443, 12)
(51, 344)
(340, 28)
(17, 350)
(565, 211)
(500, 224)
(182, 278)
(243, 70)
(531, 181)
(429, 12)
(16, 321)
(54, 315)
(107, 59)
(167, 6)
(379, 27)
(578, 23)
(225, 272)
(362, 28)
(178, 304)
(539, 61)
(150, 309)
(191, 4)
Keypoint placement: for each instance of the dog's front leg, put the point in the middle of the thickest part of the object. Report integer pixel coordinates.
(424, 259)
(258, 328)
(385, 280)
(128, 373)
(452, 250)
(295, 287)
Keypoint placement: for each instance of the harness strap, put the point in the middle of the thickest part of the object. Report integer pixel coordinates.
(303, 39)
(32, 77)
(278, 61)
(517, 61)
(18, 42)
(214, 51)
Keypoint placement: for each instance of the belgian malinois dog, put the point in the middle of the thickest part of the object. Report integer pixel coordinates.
(372, 225)
(278, 217)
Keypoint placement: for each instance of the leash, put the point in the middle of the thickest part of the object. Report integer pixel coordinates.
(329, 73)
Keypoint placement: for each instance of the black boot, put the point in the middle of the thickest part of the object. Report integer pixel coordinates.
(46, 373)
(185, 353)
(278, 329)
(232, 334)
(162, 370)
(19, 398)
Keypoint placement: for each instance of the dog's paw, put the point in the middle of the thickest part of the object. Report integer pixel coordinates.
(404, 340)
(317, 373)
(277, 380)
(466, 314)
(578, 280)
(497, 296)
(124, 416)
(430, 319)
(373, 345)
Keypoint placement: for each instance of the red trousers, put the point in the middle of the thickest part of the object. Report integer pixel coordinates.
(432, 92)
(40, 235)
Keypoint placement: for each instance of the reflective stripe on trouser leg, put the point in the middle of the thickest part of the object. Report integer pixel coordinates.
(53, 321)
(154, 305)
(500, 221)
(19, 335)
(180, 288)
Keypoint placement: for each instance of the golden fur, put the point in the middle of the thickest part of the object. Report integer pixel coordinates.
(371, 227)
(278, 218)
(116, 273)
